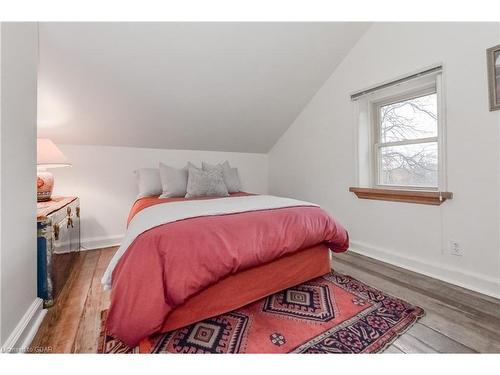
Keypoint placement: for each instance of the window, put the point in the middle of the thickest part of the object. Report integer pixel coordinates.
(400, 133)
(406, 141)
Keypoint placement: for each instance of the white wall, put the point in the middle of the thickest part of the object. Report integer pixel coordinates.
(19, 305)
(315, 158)
(103, 178)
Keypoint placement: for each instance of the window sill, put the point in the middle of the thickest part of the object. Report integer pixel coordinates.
(410, 196)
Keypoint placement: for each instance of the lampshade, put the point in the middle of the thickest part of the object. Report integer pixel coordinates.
(48, 154)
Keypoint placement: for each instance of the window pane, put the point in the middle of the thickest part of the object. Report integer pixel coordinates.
(414, 165)
(409, 119)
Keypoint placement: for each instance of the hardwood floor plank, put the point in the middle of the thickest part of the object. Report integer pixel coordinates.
(462, 298)
(392, 350)
(63, 330)
(73, 310)
(480, 336)
(432, 291)
(90, 322)
(107, 296)
(484, 328)
(464, 333)
(437, 341)
(410, 345)
(45, 334)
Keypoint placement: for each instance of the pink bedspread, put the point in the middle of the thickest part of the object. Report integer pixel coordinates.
(169, 263)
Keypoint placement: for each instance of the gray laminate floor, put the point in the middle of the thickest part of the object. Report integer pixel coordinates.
(456, 321)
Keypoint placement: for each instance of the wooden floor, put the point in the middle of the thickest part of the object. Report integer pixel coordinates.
(456, 320)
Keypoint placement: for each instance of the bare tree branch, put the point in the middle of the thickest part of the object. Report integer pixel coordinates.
(402, 121)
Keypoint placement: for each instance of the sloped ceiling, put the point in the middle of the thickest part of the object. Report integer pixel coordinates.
(199, 86)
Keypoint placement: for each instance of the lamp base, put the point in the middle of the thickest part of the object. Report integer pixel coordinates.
(44, 184)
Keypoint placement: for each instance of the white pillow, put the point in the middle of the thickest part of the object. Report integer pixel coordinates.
(230, 175)
(205, 184)
(148, 182)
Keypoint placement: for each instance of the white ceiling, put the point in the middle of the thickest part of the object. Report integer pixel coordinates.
(200, 86)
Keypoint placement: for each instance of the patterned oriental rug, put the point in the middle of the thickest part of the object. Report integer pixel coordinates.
(331, 314)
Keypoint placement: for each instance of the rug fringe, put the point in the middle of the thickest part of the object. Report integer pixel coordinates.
(402, 332)
(398, 334)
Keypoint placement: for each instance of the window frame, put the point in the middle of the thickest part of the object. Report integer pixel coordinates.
(377, 146)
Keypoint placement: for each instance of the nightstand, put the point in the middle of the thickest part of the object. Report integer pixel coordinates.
(58, 244)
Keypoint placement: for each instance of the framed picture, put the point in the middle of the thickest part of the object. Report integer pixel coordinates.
(493, 56)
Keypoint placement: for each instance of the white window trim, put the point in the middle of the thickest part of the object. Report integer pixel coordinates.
(416, 89)
(442, 153)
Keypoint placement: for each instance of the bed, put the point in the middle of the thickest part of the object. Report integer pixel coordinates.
(185, 260)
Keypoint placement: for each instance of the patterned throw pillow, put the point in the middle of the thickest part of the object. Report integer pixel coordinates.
(230, 175)
(205, 184)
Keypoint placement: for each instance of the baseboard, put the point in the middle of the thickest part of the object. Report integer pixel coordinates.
(23, 334)
(100, 242)
(465, 279)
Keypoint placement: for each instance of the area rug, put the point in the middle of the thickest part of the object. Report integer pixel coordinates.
(334, 313)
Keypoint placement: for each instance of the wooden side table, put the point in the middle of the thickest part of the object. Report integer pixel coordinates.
(58, 243)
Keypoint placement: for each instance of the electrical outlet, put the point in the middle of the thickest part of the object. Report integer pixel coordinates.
(455, 249)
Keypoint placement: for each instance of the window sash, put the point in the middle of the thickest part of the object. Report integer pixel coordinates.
(379, 169)
(378, 146)
(413, 94)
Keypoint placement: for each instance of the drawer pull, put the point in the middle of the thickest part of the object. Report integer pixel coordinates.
(70, 222)
(68, 210)
(55, 228)
(77, 211)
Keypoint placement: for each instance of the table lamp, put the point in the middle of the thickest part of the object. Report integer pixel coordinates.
(48, 155)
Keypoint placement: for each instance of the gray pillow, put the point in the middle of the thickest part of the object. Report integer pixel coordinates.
(173, 180)
(232, 180)
(191, 165)
(230, 175)
(148, 182)
(207, 166)
(205, 184)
